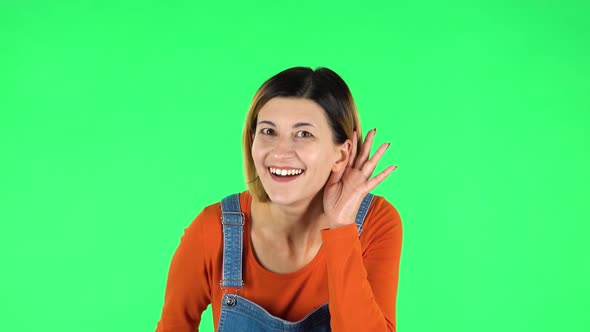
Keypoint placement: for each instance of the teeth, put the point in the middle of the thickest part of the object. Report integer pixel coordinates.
(284, 172)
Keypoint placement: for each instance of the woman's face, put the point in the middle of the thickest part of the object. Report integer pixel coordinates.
(293, 134)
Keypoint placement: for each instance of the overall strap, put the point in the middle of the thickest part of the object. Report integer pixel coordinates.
(362, 214)
(232, 219)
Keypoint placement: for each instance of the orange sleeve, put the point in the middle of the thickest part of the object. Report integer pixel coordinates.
(362, 284)
(187, 288)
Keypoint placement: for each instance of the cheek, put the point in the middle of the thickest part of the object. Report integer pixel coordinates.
(259, 152)
(255, 153)
(317, 159)
(325, 160)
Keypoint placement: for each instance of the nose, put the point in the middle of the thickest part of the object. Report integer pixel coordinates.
(284, 147)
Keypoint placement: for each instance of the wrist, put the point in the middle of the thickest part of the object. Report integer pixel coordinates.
(339, 225)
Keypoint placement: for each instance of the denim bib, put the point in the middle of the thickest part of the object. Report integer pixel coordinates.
(241, 314)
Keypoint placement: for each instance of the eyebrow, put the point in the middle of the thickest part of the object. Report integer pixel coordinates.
(297, 125)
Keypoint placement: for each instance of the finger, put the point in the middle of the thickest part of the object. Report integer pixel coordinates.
(370, 165)
(365, 149)
(371, 184)
(354, 144)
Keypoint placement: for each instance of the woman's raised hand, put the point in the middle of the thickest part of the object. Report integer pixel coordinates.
(345, 189)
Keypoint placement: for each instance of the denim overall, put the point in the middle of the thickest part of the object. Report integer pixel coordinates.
(241, 314)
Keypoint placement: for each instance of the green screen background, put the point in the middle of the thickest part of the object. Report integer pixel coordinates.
(120, 121)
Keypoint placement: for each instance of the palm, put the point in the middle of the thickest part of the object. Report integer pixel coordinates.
(345, 189)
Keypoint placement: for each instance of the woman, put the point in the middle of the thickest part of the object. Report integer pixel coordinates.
(307, 247)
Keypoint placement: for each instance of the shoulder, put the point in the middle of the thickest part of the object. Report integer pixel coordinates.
(383, 218)
(204, 231)
(382, 209)
(207, 226)
(208, 218)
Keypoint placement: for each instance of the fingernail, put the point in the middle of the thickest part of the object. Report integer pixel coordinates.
(375, 130)
(394, 167)
(388, 144)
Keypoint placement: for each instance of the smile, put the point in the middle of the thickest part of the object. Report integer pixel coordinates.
(285, 172)
(282, 175)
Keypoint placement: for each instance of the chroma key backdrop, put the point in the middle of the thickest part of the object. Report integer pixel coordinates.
(121, 120)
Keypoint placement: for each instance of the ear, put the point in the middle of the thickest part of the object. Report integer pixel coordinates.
(344, 151)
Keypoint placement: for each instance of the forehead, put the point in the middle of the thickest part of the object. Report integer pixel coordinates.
(292, 109)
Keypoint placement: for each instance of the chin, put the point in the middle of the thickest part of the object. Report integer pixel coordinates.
(290, 198)
(283, 198)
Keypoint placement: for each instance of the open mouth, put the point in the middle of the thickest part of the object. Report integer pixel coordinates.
(283, 175)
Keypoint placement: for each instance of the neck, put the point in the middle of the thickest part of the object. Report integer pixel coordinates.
(297, 222)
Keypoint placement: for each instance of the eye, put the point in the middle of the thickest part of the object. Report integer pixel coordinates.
(262, 131)
(307, 133)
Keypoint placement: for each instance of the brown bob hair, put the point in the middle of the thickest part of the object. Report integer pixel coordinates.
(324, 87)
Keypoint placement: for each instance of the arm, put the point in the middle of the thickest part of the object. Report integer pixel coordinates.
(363, 285)
(187, 288)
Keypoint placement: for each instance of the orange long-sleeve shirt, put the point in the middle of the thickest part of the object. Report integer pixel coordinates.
(357, 276)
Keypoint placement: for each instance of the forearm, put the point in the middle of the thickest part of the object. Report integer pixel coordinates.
(353, 305)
